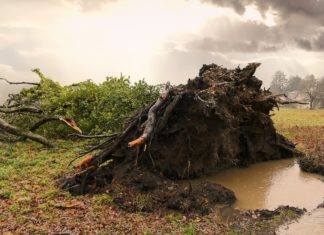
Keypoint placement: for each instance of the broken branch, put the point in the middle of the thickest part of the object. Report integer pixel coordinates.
(69, 122)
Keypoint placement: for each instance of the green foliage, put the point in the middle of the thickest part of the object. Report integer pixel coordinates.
(97, 108)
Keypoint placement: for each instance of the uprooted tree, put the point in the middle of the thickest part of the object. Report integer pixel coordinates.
(217, 120)
(39, 109)
(29, 109)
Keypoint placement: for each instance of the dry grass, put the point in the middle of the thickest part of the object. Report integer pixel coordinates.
(304, 128)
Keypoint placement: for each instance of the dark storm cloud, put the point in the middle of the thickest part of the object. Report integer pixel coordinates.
(315, 44)
(285, 8)
(299, 23)
(238, 37)
(304, 44)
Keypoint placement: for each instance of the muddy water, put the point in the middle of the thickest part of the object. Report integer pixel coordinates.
(270, 184)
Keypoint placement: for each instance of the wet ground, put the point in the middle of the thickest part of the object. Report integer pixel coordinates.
(268, 185)
(310, 223)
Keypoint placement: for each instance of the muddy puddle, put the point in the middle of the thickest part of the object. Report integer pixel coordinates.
(267, 185)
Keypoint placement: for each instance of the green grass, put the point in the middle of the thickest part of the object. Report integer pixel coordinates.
(289, 117)
(304, 128)
(27, 173)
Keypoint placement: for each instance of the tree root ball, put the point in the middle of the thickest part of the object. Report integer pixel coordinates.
(218, 120)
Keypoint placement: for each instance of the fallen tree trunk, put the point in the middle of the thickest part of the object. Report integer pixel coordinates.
(22, 133)
(217, 120)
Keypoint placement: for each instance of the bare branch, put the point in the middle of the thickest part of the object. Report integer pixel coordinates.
(20, 83)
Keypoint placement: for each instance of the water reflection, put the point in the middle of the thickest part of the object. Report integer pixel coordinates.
(270, 184)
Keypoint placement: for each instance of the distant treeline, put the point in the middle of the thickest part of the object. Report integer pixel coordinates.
(309, 88)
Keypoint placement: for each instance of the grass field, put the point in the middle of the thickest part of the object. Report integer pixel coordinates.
(31, 204)
(303, 127)
(288, 118)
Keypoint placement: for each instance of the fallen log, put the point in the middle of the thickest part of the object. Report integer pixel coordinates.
(22, 133)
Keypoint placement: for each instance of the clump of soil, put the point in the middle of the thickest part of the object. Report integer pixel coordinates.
(269, 214)
(218, 120)
(314, 164)
(169, 195)
(200, 199)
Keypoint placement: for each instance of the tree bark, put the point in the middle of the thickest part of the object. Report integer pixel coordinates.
(27, 134)
(151, 120)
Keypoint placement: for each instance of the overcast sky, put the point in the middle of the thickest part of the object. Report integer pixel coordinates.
(160, 40)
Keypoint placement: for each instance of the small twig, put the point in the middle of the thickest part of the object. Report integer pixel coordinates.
(20, 83)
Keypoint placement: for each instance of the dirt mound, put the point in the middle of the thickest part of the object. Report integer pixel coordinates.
(313, 164)
(217, 120)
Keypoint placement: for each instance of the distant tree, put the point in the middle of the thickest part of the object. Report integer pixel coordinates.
(311, 88)
(293, 84)
(278, 83)
(320, 88)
